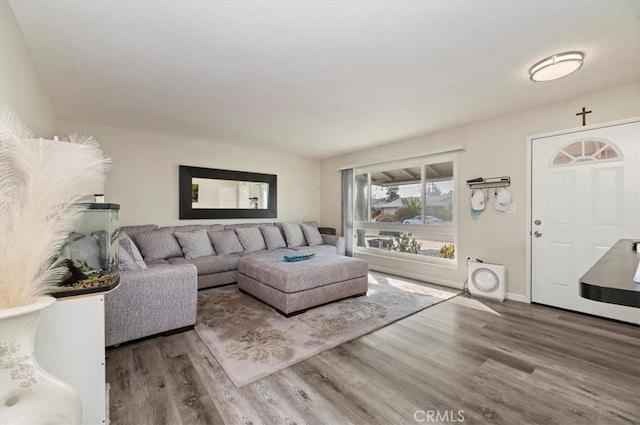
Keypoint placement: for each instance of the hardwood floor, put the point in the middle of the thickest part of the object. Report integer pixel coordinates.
(499, 363)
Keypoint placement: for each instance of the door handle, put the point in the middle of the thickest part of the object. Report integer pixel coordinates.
(537, 234)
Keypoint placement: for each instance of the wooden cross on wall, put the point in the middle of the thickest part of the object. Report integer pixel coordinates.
(584, 115)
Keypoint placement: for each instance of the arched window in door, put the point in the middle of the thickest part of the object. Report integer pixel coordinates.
(585, 152)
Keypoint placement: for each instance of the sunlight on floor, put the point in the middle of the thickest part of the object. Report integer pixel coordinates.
(476, 304)
(414, 286)
(410, 285)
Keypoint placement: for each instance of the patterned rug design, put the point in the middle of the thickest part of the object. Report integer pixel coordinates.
(251, 340)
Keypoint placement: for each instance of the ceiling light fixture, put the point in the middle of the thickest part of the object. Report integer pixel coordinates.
(556, 66)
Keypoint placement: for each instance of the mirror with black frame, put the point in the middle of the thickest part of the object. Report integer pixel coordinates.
(216, 193)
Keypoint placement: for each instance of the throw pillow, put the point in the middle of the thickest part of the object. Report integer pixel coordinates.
(273, 237)
(294, 235)
(311, 234)
(130, 247)
(101, 237)
(195, 244)
(251, 238)
(158, 245)
(226, 242)
(125, 260)
(83, 249)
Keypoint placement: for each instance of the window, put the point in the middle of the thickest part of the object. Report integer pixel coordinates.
(586, 151)
(407, 210)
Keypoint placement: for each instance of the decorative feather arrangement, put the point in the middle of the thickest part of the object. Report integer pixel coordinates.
(42, 183)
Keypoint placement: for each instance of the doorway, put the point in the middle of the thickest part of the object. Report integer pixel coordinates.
(585, 196)
(227, 197)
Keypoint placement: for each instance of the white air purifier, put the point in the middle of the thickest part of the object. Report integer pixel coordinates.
(487, 280)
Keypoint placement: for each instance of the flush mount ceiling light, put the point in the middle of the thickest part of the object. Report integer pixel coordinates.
(556, 66)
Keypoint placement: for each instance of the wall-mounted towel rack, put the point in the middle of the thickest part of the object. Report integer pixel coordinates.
(489, 182)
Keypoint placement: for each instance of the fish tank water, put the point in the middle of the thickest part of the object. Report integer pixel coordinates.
(90, 253)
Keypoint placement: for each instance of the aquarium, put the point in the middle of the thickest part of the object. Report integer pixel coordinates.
(90, 253)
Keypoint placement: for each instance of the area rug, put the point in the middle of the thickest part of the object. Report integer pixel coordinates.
(250, 340)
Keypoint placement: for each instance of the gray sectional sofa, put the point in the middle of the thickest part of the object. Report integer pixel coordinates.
(149, 302)
(159, 246)
(162, 269)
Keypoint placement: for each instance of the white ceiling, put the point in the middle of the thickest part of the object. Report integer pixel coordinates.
(317, 78)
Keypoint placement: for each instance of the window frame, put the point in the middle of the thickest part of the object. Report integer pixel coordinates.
(422, 229)
(575, 160)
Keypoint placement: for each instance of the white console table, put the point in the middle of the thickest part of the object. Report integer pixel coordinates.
(70, 345)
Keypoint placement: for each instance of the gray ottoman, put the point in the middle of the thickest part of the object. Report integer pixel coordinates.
(291, 288)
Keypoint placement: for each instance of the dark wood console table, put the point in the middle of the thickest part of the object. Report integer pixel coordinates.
(610, 280)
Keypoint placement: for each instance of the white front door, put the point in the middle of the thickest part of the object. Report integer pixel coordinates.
(585, 196)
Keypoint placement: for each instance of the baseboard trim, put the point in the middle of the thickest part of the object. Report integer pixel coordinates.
(420, 277)
(517, 297)
(438, 281)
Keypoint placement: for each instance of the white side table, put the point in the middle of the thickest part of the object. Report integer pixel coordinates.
(70, 345)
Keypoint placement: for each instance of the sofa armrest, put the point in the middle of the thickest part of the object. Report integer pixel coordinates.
(151, 301)
(159, 277)
(327, 230)
(337, 241)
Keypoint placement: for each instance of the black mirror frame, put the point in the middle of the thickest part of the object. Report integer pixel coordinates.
(186, 173)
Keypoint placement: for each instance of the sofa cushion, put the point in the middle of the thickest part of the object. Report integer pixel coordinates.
(244, 225)
(277, 252)
(324, 248)
(158, 244)
(83, 249)
(273, 237)
(251, 238)
(132, 230)
(195, 244)
(214, 227)
(125, 260)
(294, 235)
(187, 228)
(311, 234)
(226, 242)
(130, 247)
(157, 263)
(212, 264)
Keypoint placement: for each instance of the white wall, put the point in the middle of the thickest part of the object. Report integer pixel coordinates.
(494, 147)
(144, 176)
(21, 90)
